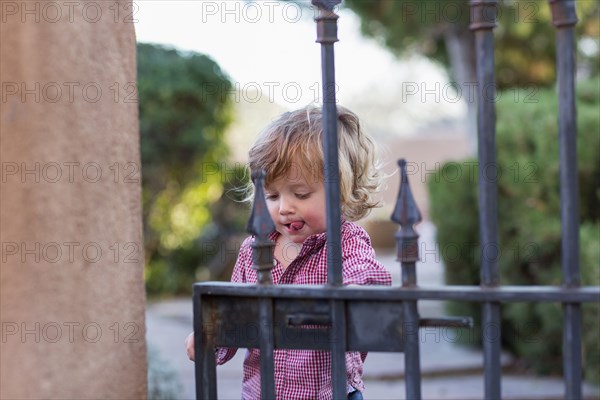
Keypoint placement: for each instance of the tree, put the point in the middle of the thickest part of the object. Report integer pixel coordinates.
(525, 50)
(184, 110)
(524, 46)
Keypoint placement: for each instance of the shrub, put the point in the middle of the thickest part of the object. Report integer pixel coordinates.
(210, 255)
(528, 223)
(185, 176)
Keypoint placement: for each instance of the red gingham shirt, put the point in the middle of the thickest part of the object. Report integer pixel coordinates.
(306, 374)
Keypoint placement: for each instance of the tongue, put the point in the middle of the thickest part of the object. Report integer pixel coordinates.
(296, 226)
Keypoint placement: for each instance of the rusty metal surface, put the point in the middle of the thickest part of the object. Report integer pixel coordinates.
(232, 321)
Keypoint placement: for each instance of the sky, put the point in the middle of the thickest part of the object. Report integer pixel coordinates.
(269, 51)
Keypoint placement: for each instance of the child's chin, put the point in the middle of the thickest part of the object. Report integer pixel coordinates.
(299, 239)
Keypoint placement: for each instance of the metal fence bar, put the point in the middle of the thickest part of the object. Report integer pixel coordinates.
(267, 363)
(483, 20)
(327, 36)
(261, 225)
(476, 294)
(564, 19)
(407, 215)
(205, 367)
(214, 301)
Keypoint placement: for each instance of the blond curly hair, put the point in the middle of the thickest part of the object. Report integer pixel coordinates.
(291, 147)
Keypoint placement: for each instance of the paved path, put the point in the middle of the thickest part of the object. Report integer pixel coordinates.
(449, 371)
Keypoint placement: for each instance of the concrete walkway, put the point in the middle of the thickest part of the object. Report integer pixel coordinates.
(449, 371)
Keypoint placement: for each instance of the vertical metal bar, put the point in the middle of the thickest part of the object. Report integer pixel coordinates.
(327, 36)
(483, 21)
(339, 379)
(407, 214)
(491, 334)
(261, 225)
(205, 367)
(572, 350)
(564, 19)
(267, 370)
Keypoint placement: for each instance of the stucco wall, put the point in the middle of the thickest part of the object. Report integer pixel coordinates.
(71, 274)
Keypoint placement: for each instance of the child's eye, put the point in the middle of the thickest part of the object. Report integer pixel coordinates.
(303, 196)
(271, 196)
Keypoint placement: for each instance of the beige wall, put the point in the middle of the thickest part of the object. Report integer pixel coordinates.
(71, 274)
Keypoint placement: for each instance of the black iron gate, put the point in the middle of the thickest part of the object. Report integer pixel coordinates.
(269, 317)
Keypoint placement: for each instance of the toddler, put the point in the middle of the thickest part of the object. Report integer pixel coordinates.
(290, 151)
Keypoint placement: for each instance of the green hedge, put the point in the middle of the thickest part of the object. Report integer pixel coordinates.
(212, 254)
(529, 223)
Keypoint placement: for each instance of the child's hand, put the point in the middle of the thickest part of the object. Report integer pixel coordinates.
(189, 346)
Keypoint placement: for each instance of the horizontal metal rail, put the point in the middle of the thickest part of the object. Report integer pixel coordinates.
(588, 294)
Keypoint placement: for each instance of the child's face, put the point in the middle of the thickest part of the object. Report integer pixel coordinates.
(297, 207)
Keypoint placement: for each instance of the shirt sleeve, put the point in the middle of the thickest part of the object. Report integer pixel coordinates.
(359, 265)
(244, 259)
(354, 370)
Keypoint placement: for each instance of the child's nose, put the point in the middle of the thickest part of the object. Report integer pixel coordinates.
(286, 205)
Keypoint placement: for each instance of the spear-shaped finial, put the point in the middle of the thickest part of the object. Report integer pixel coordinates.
(261, 226)
(407, 214)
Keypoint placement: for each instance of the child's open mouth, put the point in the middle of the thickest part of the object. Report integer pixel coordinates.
(295, 226)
